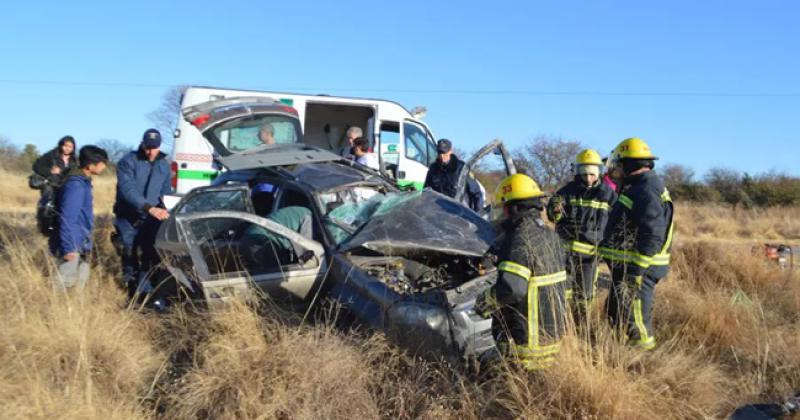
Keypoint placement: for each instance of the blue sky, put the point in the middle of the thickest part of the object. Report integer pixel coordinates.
(712, 83)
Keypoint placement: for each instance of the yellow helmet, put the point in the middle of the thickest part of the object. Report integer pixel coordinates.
(633, 148)
(588, 157)
(517, 187)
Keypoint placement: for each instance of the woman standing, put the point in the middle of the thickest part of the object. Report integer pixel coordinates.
(49, 172)
(55, 164)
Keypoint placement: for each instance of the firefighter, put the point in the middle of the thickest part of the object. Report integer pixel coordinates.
(528, 301)
(637, 241)
(580, 212)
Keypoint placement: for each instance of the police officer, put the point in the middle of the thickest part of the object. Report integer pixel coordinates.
(528, 301)
(143, 178)
(580, 212)
(637, 240)
(443, 176)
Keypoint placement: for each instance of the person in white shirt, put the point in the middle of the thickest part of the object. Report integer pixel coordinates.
(362, 155)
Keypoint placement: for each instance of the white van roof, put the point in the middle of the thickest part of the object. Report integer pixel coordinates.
(318, 97)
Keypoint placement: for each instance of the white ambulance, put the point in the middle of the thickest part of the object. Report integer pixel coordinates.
(398, 139)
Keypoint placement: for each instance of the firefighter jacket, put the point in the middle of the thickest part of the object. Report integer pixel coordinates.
(580, 213)
(639, 230)
(530, 290)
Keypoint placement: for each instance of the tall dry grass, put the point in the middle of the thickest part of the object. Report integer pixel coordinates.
(75, 355)
(728, 327)
(19, 200)
(715, 222)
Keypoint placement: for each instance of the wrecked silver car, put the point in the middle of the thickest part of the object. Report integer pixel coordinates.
(409, 263)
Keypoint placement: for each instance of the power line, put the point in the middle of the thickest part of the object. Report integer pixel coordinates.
(493, 92)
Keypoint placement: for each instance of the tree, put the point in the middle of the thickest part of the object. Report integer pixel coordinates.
(675, 175)
(29, 154)
(9, 155)
(548, 160)
(165, 117)
(729, 185)
(115, 149)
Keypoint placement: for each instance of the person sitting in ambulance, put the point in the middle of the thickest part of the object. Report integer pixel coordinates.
(267, 134)
(362, 155)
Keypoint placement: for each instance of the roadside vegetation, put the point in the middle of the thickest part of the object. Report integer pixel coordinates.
(728, 326)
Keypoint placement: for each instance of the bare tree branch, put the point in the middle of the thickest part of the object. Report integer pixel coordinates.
(115, 149)
(165, 117)
(548, 160)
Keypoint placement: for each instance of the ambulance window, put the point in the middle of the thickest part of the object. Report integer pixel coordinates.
(390, 141)
(415, 143)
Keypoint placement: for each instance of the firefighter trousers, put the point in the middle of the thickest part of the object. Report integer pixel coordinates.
(583, 269)
(630, 304)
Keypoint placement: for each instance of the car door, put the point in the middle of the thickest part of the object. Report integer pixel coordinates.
(226, 210)
(172, 246)
(417, 157)
(235, 253)
(505, 167)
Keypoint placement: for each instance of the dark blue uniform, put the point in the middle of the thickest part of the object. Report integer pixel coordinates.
(141, 184)
(637, 247)
(580, 222)
(530, 292)
(443, 178)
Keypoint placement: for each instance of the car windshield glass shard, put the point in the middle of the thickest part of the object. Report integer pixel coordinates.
(351, 215)
(248, 133)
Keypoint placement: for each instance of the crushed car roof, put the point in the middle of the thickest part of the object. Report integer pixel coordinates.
(325, 176)
(423, 221)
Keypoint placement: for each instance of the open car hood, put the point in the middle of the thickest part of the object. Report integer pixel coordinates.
(423, 221)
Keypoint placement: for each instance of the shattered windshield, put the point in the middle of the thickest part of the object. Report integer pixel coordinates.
(348, 210)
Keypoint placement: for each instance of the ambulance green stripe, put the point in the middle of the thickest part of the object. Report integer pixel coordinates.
(197, 174)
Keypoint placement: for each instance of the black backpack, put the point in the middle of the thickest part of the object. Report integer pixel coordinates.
(47, 215)
(46, 212)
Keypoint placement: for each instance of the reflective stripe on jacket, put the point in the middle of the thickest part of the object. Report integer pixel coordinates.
(530, 290)
(582, 220)
(640, 226)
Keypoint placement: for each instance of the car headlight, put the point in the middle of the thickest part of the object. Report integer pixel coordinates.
(416, 315)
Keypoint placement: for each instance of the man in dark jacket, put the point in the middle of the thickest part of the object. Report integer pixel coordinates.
(528, 300)
(637, 241)
(72, 241)
(143, 178)
(443, 175)
(580, 212)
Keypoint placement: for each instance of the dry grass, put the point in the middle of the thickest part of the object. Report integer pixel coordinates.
(723, 223)
(75, 355)
(728, 328)
(19, 200)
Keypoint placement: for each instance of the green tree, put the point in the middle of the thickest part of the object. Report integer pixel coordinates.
(29, 154)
